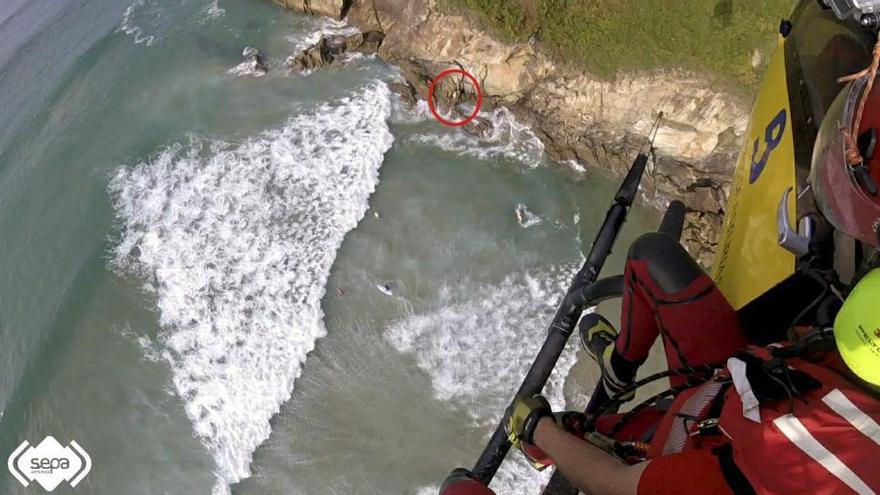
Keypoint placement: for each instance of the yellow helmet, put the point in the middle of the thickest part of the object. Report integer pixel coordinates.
(857, 329)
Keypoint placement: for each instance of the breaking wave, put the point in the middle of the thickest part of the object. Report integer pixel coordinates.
(477, 351)
(576, 166)
(402, 113)
(236, 242)
(250, 66)
(322, 26)
(508, 138)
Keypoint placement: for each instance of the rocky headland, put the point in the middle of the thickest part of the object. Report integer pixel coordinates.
(599, 122)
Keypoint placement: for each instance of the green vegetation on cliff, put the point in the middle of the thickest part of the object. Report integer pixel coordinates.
(603, 36)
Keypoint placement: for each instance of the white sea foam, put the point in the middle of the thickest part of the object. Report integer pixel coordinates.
(525, 217)
(508, 138)
(323, 26)
(139, 19)
(252, 65)
(515, 477)
(236, 243)
(404, 114)
(477, 351)
(576, 166)
(213, 11)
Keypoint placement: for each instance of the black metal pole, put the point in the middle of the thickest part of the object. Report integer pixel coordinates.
(672, 225)
(567, 315)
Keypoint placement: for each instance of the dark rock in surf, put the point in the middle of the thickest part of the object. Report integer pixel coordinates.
(406, 92)
(328, 50)
(367, 43)
(253, 64)
(480, 127)
(448, 96)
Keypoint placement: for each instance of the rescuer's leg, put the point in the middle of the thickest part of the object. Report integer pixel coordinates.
(667, 293)
(622, 354)
(598, 337)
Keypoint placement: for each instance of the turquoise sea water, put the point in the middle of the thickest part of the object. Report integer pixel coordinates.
(190, 260)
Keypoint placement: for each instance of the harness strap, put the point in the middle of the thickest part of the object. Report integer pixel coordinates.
(690, 414)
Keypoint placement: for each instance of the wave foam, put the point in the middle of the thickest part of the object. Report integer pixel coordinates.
(252, 65)
(405, 114)
(576, 166)
(476, 352)
(323, 26)
(236, 244)
(213, 11)
(508, 138)
(525, 217)
(145, 11)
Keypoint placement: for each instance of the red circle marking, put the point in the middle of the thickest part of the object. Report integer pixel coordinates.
(433, 88)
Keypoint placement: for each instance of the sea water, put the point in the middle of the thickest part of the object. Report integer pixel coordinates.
(217, 283)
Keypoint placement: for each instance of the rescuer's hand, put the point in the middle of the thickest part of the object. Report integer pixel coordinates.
(522, 418)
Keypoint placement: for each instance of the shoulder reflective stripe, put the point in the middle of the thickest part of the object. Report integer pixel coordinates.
(795, 431)
(850, 412)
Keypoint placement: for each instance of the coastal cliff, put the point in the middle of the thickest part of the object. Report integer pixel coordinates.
(597, 121)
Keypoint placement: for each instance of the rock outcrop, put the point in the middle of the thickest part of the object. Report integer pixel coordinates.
(578, 116)
(330, 8)
(253, 64)
(330, 49)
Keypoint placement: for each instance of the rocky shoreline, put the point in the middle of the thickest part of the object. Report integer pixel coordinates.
(578, 116)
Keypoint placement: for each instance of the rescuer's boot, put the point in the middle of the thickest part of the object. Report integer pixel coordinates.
(598, 336)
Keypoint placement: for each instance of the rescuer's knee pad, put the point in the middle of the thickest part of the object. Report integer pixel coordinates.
(669, 264)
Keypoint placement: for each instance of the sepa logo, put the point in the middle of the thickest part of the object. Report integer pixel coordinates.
(49, 463)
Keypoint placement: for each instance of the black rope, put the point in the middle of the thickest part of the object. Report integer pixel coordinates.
(820, 277)
(647, 403)
(615, 400)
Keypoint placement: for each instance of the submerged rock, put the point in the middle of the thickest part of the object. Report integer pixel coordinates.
(526, 218)
(480, 127)
(329, 49)
(253, 65)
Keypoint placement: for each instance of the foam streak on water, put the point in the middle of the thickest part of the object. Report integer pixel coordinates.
(140, 18)
(508, 138)
(477, 351)
(213, 11)
(236, 244)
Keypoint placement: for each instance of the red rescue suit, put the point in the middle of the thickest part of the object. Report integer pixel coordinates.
(824, 439)
(829, 441)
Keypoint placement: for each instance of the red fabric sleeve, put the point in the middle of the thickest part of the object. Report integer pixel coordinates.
(694, 472)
